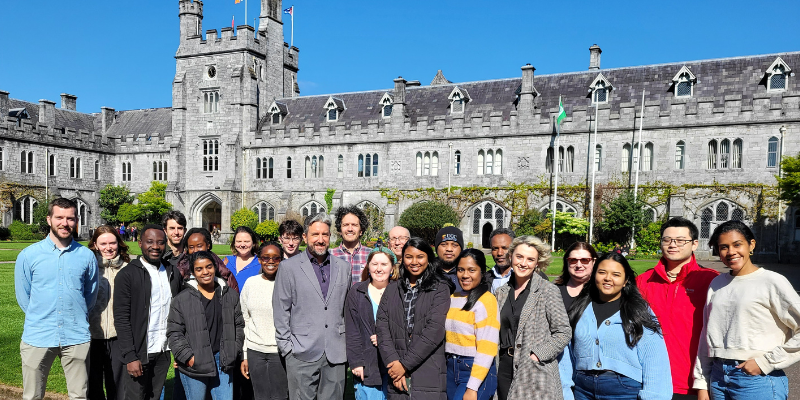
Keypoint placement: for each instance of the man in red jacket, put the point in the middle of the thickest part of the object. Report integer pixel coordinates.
(676, 289)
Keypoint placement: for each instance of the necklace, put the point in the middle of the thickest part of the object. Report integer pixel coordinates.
(671, 276)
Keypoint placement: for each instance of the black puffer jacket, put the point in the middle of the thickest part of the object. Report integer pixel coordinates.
(188, 336)
(421, 351)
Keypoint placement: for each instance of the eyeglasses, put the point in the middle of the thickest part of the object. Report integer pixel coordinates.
(273, 259)
(665, 241)
(584, 261)
(293, 239)
(398, 239)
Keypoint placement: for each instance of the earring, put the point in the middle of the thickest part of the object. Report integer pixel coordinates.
(751, 252)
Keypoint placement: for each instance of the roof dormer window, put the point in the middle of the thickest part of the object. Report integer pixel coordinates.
(684, 82)
(333, 109)
(386, 105)
(458, 99)
(277, 111)
(599, 89)
(778, 75)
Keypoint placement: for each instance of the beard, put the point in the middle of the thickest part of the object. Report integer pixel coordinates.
(447, 266)
(54, 231)
(312, 249)
(156, 262)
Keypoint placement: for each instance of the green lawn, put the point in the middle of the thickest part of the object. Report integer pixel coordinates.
(12, 318)
(8, 255)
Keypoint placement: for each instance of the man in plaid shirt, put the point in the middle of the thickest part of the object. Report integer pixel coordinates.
(351, 223)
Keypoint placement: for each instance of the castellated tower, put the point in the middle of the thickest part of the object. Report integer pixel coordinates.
(223, 84)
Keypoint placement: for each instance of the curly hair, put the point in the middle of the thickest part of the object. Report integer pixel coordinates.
(351, 209)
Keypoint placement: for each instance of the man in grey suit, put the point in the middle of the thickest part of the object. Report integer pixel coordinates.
(308, 308)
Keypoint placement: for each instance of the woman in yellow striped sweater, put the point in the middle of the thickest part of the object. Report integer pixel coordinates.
(473, 332)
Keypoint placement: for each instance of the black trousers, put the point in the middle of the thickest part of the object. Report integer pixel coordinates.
(268, 375)
(149, 384)
(104, 369)
(505, 374)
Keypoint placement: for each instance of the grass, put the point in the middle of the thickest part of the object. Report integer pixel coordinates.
(8, 255)
(12, 318)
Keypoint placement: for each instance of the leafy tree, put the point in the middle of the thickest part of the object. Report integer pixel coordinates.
(375, 217)
(424, 219)
(329, 198)
(111, 199)
(648, 240)
(267, 230)
(40, 217)
(620, 216)
(128, 213)
(244, 217)
(533, 223)
(153, 203)
(789, 183)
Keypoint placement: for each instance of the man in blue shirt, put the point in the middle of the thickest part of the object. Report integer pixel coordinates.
(55, 281)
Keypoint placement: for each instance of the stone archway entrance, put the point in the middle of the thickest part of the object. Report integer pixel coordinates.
(485, 232)
(211, 216)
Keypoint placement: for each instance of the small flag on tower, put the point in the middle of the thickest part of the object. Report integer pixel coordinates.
(237, 1)
(232, 19)
(289, 10)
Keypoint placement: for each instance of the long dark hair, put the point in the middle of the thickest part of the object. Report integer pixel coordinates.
(433, 273)
(564, 278)
(483, 286)
(633, 308)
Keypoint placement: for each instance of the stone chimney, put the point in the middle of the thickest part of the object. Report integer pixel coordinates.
(108, 118)
(3, 105)
(69, 101)
(526, 91)
(594, 57)
(47, 112)
(399, 105)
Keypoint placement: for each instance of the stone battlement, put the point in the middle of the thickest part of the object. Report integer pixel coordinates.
(25, 131)
(224, 41)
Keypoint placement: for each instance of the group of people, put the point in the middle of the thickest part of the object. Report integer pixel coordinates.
(127, 233)
(413, 320)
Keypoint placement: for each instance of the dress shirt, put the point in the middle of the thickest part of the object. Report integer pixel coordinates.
(499, 279)
(160, 300)
(323, 272)
(56, 289)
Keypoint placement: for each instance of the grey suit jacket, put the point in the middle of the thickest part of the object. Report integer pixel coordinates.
(307, 324)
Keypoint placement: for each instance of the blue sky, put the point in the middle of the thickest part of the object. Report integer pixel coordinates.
(121, 54)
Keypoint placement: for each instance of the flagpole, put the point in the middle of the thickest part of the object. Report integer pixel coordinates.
(245, 12)
(638, 163)
(593, 149)
(291, 39)
(556, 166)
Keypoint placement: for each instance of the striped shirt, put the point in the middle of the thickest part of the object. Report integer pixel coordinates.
(474, 333)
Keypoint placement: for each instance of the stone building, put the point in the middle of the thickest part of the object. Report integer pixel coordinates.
(239, 135)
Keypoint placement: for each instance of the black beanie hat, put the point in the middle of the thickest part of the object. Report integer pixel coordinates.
(450, 234)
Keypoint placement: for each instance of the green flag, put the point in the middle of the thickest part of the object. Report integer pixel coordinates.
(561, 113)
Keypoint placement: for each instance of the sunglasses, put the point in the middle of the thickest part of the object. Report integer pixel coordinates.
(584, 261)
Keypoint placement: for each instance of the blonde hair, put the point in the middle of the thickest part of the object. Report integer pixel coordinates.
(538, 244)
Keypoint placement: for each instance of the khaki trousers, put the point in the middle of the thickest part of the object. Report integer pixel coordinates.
(36, 363)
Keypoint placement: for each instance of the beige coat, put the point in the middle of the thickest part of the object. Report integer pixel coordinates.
(543, 330)
(101, 317)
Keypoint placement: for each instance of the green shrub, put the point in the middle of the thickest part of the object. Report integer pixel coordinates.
(267, 230)
(244, 217)
(22, 231)
(648, 240)
(5, 234)
(424, 219)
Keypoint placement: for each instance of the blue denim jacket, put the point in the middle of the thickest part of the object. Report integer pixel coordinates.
(55, 289)
(604, 348)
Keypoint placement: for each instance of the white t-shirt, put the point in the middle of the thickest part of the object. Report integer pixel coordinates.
(160, 300)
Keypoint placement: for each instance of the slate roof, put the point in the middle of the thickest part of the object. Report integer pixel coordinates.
(64, 118)
(140, 123)
(716, 79)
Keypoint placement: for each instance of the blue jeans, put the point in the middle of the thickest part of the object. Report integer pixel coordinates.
(220, 386)
(606, 386)
(366, 392)
(459, 369)
(731, 383)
